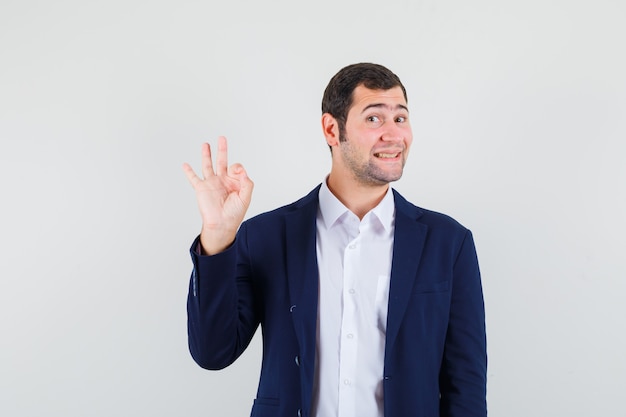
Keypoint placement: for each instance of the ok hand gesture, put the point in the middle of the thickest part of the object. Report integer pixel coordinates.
(223, 195)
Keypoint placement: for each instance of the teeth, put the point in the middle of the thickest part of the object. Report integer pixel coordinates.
(386, 155)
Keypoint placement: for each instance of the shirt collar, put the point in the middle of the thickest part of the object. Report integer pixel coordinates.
(331, 209)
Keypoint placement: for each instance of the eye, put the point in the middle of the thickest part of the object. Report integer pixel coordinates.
(401, 119)
(373, 119)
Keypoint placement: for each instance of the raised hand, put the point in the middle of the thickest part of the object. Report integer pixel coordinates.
(223, 195)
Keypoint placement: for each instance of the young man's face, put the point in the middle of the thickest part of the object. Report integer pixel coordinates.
(377, 136)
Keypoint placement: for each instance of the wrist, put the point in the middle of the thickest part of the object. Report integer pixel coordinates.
(213, 241)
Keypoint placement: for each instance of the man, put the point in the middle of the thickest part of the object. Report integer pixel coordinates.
(369, 305)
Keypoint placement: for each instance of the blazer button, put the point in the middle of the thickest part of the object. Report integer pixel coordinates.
(297, 359)
(299, 413)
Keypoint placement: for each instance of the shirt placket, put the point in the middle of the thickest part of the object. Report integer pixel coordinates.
(348, 351)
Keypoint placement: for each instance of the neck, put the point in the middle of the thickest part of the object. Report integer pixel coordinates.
(359, 198)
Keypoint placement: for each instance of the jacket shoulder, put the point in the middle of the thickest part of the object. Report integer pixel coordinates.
(433, 219)
(308, 202)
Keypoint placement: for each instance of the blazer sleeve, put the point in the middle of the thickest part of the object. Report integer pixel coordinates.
(221, 312)
(463, 376)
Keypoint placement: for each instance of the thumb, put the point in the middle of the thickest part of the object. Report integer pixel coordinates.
(239, 172)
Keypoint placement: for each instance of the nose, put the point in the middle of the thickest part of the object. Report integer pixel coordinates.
(395, 133)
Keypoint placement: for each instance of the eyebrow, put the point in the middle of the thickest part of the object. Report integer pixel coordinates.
(379, 105)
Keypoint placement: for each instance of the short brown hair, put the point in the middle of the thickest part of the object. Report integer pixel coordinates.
(337, 98)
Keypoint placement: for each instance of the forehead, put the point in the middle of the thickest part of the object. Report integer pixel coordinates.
(363, 97)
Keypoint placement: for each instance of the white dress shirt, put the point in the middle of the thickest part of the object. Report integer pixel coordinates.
(354, 261)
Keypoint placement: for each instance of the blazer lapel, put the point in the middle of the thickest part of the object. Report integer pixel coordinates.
(409, 239)
(302, 277)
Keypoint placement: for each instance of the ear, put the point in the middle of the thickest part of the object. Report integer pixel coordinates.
(330, 127)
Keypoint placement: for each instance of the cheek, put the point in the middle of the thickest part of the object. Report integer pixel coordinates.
(408, 143)
(408, 139)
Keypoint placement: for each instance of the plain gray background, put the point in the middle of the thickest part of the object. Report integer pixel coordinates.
(518, 110)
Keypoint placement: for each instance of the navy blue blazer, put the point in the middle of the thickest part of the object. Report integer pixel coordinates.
(435, 355)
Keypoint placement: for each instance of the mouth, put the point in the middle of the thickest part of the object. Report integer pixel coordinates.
(387, 155)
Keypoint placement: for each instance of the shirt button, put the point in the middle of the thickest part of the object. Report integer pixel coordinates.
(352, 246)
(351, 291)
(350, 336)
(346, 382)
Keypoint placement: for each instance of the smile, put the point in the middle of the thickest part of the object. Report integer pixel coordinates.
(387, 155)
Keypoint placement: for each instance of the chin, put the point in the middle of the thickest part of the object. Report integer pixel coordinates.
(383, 179)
